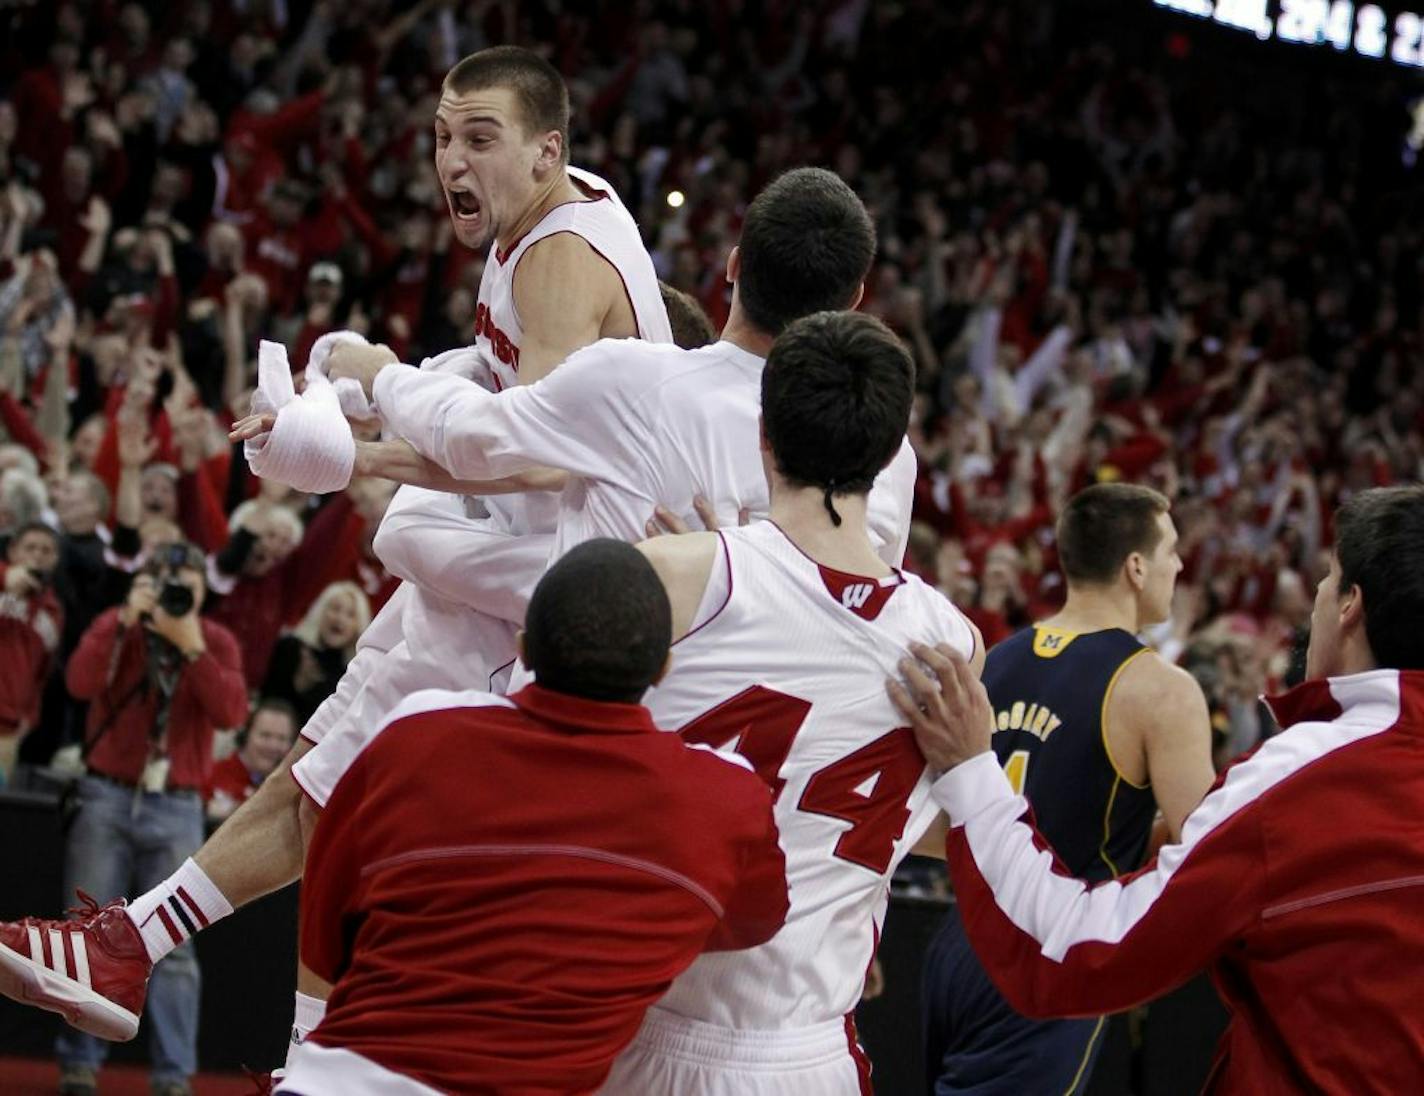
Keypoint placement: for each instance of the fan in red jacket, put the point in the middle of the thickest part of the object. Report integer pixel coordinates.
(31, 623)
(1298, 878)
(499, 918)
(261, 745)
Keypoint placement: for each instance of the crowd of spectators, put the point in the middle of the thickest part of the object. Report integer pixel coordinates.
(1110, 261)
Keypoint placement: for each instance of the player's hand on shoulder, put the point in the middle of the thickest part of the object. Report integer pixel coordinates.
(944, 703)
(664, 522)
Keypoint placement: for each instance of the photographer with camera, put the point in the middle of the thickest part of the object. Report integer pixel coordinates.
(160, 680)
(31, 623)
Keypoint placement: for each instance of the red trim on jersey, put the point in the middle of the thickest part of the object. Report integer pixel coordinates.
(727, 559)
(864, 596)
(499, 670)
(621, 280)
(857, 1053)
(591, 196)
(839, 582)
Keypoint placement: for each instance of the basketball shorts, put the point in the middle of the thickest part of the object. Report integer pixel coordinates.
(674, 1056)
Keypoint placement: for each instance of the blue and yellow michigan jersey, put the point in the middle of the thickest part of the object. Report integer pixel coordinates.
(1050, 690)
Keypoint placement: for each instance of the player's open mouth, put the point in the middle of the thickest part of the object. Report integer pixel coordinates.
(465, 205)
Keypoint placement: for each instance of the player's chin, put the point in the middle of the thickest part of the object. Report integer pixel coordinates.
(472, 230)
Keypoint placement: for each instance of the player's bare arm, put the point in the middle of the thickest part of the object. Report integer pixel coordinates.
(1159, 731)
(685, 565)
(567, 296)
(396, 459)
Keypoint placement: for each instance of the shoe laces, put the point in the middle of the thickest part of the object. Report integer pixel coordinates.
(90, 908)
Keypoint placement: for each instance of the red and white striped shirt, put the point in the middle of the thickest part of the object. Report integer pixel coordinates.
(1298, 882)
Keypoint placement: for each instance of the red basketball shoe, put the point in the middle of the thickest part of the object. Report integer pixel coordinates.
(92, 971)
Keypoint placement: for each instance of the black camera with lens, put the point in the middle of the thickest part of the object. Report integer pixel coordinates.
(174, 598)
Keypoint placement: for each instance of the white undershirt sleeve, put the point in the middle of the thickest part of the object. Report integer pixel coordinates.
(577, 418)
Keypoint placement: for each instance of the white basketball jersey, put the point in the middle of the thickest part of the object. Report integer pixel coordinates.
(610, 230)
(790, 674)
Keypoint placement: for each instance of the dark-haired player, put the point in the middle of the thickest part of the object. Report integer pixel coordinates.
(1097, 732)
(484, 888)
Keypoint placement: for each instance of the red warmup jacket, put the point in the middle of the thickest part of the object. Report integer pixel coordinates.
(209, 694)
(30, 630)
(500, 887)
(1298, 882)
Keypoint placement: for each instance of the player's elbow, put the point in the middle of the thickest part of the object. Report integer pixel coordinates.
(390, 545)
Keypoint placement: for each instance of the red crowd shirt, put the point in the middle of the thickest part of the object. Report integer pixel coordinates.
(230, 776)
(30, 630)
(109, 667)
(500, 887)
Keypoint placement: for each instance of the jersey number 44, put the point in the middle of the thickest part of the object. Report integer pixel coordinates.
(868, 788)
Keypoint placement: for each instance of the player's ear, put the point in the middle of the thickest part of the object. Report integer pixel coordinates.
(857, 298)
(667, 665)
(551, 152)
(519, 648)
(761, 436)
(734, 264)
(1136, 569)
(1352, 609)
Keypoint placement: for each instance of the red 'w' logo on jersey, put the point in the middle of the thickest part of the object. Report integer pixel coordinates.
(854, 596)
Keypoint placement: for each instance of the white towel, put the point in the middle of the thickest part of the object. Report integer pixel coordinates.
(348, 390)
(310, 446)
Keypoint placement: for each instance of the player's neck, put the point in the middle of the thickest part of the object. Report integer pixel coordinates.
(801, 514)
(1095, 609)
(745, 335)
(558, 190)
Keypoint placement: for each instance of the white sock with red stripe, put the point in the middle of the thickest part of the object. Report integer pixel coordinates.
(177, 908)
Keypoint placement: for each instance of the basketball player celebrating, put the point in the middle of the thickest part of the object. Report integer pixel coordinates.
(566, 267)
(1097, 732)
(641, 425)
(787, 624)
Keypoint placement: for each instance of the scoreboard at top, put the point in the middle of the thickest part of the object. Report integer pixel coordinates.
(1363, 29)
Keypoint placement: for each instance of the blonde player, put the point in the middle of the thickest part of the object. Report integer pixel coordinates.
(566, 267)
(638, 424)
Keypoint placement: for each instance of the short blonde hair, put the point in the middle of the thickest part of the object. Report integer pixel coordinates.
(273, 510)
(309, 630)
